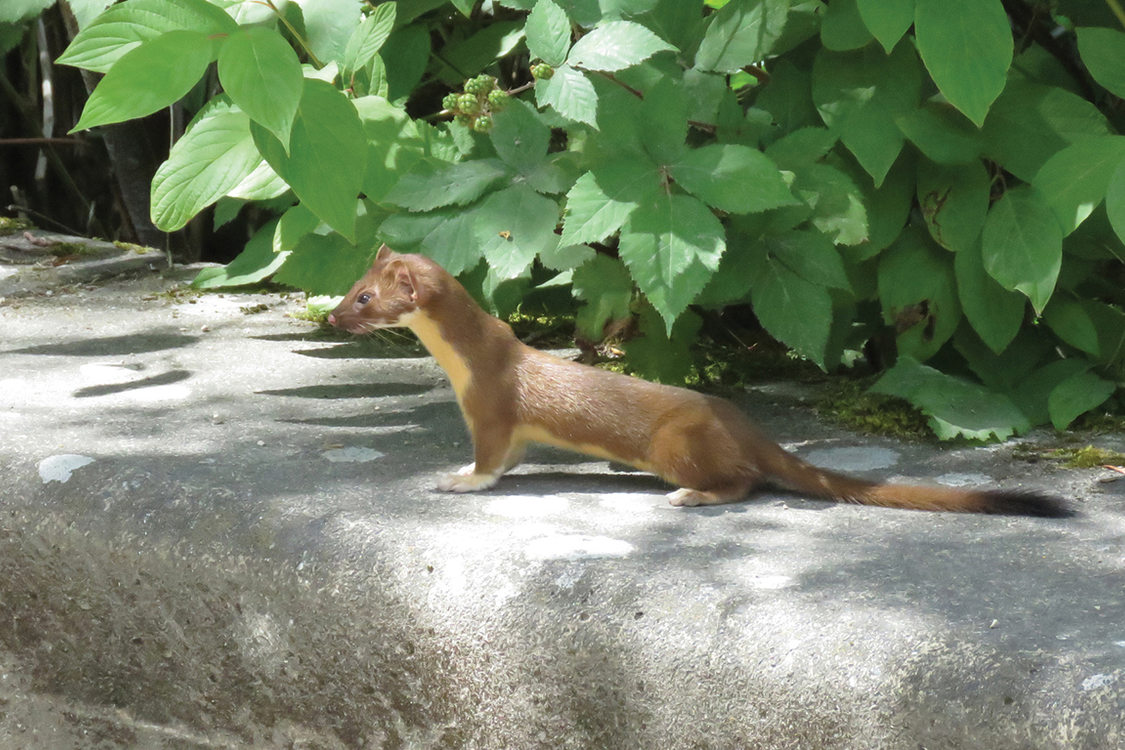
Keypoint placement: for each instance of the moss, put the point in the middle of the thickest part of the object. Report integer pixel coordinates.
(63, 249)
(847, 401)
(1086, 457)
(132, 247)
(9, 225)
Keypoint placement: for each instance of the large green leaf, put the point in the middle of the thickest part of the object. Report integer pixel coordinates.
(262, 75)
(859, 95)
(811, 255)
(520, 137)
(956, 407)
(918, 292)
(548, 33)
(661, 355)
(256, 261)
(842, 28)
(994, 312)
(1070, 321)
(967, 47)
(836, 203)
(1077, 395)
(1074, 181)
(446, 235)
(615, 45)
(732, 178)
(941, 133)
(570, 93)
(954, 201)
(431, 184)
(150, 77)
(1103, 53)
(1022, 245)
(607, 288)
(327, 155)
(329, 24)
(601, 201)
(665, 118)
(513, 226)
(1115, 200)
(887, 20)
(214, 155)
(125, 26)
(743, 32)
(393, 144)
(672, 246)
(794, 310)
(1033, 392)
(369, 37)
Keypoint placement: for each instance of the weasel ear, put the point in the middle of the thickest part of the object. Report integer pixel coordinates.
(405, 281)
(383, 255)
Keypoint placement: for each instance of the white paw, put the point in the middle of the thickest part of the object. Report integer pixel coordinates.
(470, 482)
(685, 497)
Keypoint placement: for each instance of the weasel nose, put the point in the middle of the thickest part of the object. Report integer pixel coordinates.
(331, 319)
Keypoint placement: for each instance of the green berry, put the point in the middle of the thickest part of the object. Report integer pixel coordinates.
(498, 99)
(468, 104)
(463, 119)
(484, 84)
(449, 102)
(542, 70)
(482, 124)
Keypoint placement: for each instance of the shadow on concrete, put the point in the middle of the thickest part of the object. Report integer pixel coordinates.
(166, 378)
(140, 343)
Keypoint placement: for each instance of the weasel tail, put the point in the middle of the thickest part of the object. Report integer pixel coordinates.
(511, 394)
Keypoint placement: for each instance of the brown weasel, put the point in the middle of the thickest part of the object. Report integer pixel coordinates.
(511, 394)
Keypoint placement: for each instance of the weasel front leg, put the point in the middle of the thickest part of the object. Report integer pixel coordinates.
(494, 456)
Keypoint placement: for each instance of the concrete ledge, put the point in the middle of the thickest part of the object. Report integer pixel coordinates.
(253, 557)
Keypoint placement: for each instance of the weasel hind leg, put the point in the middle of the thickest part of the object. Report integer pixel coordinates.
(687, 497)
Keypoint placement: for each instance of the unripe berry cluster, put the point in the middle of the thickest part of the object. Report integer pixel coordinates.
(542, 70)
(475, 107)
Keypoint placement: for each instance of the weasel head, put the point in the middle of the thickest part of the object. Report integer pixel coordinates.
(387, 296)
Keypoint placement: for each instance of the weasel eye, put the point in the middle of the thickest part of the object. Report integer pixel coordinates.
(363, 299)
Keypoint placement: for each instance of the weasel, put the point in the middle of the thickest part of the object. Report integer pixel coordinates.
(511, 394)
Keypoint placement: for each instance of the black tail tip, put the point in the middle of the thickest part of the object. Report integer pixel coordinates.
(1025, 503)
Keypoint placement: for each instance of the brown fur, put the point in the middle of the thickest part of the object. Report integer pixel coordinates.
(511, 394)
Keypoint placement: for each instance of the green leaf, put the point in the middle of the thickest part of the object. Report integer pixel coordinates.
(593, 213)
(513, 226)
(659, 355)
(548, 33)
(792, 309)
(125, 26)
(918, 292)
(1071, 322)
(615, 45)
(406, 55)
(860, 94)
(1078, 394)
(954, 201)
(262, 75)
(811, 255)
(743, 32)
(1022, 245)
(446, 235)
(732, 178)
(295, 223)
(664, 112)
(941, 133)
(256, 262)
(995, 313)
(1115, 200)
(154, 75)
(369, 37)
(324, 264)
(888, 207)
(842, 28)
(327, 157)
(888, 20)
(801, 147)
(606, 287)
(570, 94)
(1103, 53)
(956, 407)
(672, 246)
(836, 203)
(213, 156)
(473, 54)
(393, 144)
(260, 185)
(967, 47)
(520, 137)
(1031, 122)
(430, 184)
(1075, 180)
(1033, 391)
(329, 24)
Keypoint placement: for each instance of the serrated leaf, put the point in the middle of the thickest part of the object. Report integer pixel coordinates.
(214, 156)
(446, 235)
(570, 94)
(431, 184)
(615, 45)
(125, 26)
(732, 178)
(324, 264)
(995, 313)
(945, 31)
(792, 309)
(664, 112)
(801, 147)
(918, 292)
(327, 157)
(256, 262)
(1077, 395)
(369, 37)
(1069, 320)
(860, 94)
(954, 201)
(836, 203)
(956, 407)
(154, 75)
(941, 133)
(548, 33)
(672, 246)
(1103, 53)
(1074, 181)
(1022, 245)
(513, 226)
(887, 20)
(520, 137)
(606, 287)
(262, 75)
(743, 32)
(811, 255)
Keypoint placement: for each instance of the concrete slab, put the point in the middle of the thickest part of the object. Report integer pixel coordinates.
(217, 529)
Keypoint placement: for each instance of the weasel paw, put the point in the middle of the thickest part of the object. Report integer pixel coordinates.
(466, 482)
(684, 497)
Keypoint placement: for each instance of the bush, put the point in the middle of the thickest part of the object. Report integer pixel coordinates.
(846, 169)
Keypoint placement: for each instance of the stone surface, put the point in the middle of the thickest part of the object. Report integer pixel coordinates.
(249, 553)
